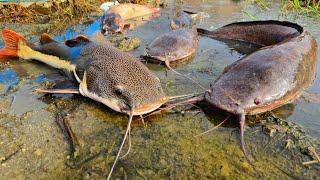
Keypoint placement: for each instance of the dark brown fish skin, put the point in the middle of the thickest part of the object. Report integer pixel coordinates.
(176, 45)
(264, 33)
(270, 77)
(182, 19)
(53, 48)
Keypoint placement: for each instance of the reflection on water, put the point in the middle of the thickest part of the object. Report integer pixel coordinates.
(8, 78)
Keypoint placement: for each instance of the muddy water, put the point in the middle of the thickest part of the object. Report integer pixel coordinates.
(32, 145)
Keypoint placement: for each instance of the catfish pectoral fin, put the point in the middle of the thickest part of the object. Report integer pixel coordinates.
(58, 91)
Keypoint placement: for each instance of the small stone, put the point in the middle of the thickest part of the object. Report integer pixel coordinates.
(289, 144)
(270, 129)
(38, 152)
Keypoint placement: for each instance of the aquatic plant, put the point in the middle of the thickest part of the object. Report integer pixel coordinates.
(52, 12)
(309, 7)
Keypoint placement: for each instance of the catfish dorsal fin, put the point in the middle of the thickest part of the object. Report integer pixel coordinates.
(45, 39)
(82, 39)
(79, 40)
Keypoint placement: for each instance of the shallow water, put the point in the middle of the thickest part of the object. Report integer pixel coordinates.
(165, 146)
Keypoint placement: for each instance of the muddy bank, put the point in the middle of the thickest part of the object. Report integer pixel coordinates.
(48, 11)
(55, 15)
(34, 146)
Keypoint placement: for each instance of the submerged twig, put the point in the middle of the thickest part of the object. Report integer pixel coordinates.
(311, 162)
(317, 160)
(9, 156)
(13, 100)
(66, 129)
(282, 170)
(142, 120)
(79, 164)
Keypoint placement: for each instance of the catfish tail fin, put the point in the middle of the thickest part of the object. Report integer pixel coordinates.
(11, 40)
(204, 32)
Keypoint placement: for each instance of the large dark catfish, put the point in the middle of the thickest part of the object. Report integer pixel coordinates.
(272, 76)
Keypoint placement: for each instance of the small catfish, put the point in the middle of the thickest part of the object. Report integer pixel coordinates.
(113, 20)
(177, 45)
(114, 78)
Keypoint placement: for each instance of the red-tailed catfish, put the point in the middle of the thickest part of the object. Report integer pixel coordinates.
(110, 76)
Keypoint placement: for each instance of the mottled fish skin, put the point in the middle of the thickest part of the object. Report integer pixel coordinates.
(270, 77)
(111, 70)
(110, 73)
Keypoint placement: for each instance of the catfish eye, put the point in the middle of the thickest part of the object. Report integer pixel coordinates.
(118, 91)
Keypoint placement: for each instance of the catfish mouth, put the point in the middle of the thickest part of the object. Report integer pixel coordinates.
(111, 24)
(143, 108)
(106, 30)
(116, 105)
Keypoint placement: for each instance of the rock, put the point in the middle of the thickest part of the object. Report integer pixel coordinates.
(38, 152)
(105, 6)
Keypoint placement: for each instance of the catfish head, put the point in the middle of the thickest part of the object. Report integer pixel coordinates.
(111, 23)
(183, 19)
(123, 86)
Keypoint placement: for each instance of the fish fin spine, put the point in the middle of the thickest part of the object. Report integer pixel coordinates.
(82, 38)
(45, 39)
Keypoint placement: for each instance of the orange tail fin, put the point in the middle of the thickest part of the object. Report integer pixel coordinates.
(11, 40)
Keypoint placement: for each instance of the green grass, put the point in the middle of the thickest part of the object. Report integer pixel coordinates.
(309, 7)
(252, 17)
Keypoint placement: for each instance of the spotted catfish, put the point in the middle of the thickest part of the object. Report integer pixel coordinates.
(110, 76)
